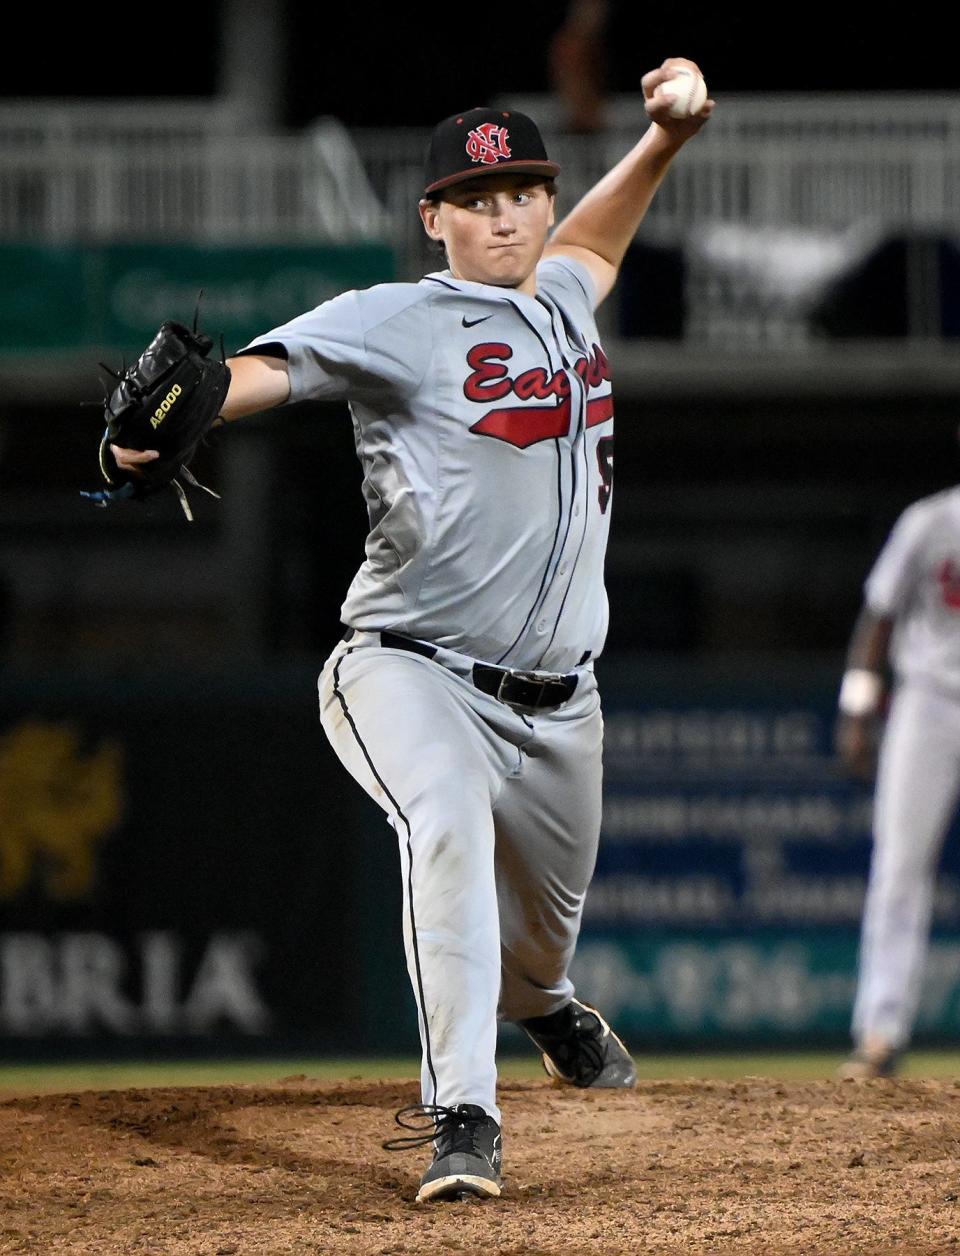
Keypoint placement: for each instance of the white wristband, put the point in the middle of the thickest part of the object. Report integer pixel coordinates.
(860, 692)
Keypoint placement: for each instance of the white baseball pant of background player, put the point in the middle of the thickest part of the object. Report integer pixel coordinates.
(911, 620)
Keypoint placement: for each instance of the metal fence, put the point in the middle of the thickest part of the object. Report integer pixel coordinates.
(143, 171)
(765, 210)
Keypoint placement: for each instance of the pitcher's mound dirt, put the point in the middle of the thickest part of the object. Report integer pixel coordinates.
(685, 1167)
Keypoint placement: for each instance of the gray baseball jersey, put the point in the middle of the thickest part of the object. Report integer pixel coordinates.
(483, 422)
(916, 582)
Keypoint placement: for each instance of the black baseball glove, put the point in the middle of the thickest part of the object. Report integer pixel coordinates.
(167, 400)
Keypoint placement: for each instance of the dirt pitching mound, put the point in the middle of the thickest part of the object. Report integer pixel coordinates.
(689, 1167)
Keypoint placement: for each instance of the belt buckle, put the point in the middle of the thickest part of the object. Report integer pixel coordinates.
(527, 678)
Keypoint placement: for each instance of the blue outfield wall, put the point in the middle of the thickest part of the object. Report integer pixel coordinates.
(186, 868)
(729, 888)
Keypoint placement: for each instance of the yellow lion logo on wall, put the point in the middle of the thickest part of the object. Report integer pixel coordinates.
(58, 802)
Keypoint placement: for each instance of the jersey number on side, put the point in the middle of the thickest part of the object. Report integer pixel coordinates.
(605, 462)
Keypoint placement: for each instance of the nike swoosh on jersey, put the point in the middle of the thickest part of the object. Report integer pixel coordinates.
(472, 322)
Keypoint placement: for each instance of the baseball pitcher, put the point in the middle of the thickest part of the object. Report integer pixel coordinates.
(462, 695)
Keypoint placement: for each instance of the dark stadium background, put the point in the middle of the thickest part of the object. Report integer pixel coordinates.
(393, 64)
(227, 772)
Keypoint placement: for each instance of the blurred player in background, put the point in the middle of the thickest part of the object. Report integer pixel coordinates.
(903, 663)
(577, 63)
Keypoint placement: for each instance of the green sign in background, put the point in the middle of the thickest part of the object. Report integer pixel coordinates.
(116, 295)
(775, 986)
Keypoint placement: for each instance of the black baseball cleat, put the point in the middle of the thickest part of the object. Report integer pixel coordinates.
(580, 1049)
(466, 1158)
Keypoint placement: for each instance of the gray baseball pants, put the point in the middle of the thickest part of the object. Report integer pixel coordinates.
(497, 815)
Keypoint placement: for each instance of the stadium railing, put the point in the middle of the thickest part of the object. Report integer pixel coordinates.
(779, 202)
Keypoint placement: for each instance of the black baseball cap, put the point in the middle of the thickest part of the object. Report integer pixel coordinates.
(484, 141)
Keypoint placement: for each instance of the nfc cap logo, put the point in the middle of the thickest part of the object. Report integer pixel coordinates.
(487, 143)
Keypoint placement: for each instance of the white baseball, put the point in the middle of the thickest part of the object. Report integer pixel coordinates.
(688, 92)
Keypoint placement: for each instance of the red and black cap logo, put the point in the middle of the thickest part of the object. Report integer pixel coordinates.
(483, 141)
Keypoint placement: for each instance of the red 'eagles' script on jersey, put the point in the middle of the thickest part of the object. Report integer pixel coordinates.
(525, 425)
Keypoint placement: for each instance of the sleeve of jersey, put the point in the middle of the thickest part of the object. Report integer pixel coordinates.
(360, 344)
(563, 275)
(890, 584)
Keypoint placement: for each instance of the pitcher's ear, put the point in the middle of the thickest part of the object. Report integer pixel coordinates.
(430, 217)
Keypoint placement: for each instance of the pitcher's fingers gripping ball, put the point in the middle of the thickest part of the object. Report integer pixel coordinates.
(676, 95)
(686, 91)
(166, 401)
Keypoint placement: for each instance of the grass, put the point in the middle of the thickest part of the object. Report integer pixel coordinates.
(110, 1075)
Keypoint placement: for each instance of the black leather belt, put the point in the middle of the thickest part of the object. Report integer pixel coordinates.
(535, 691)
(538, 691)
